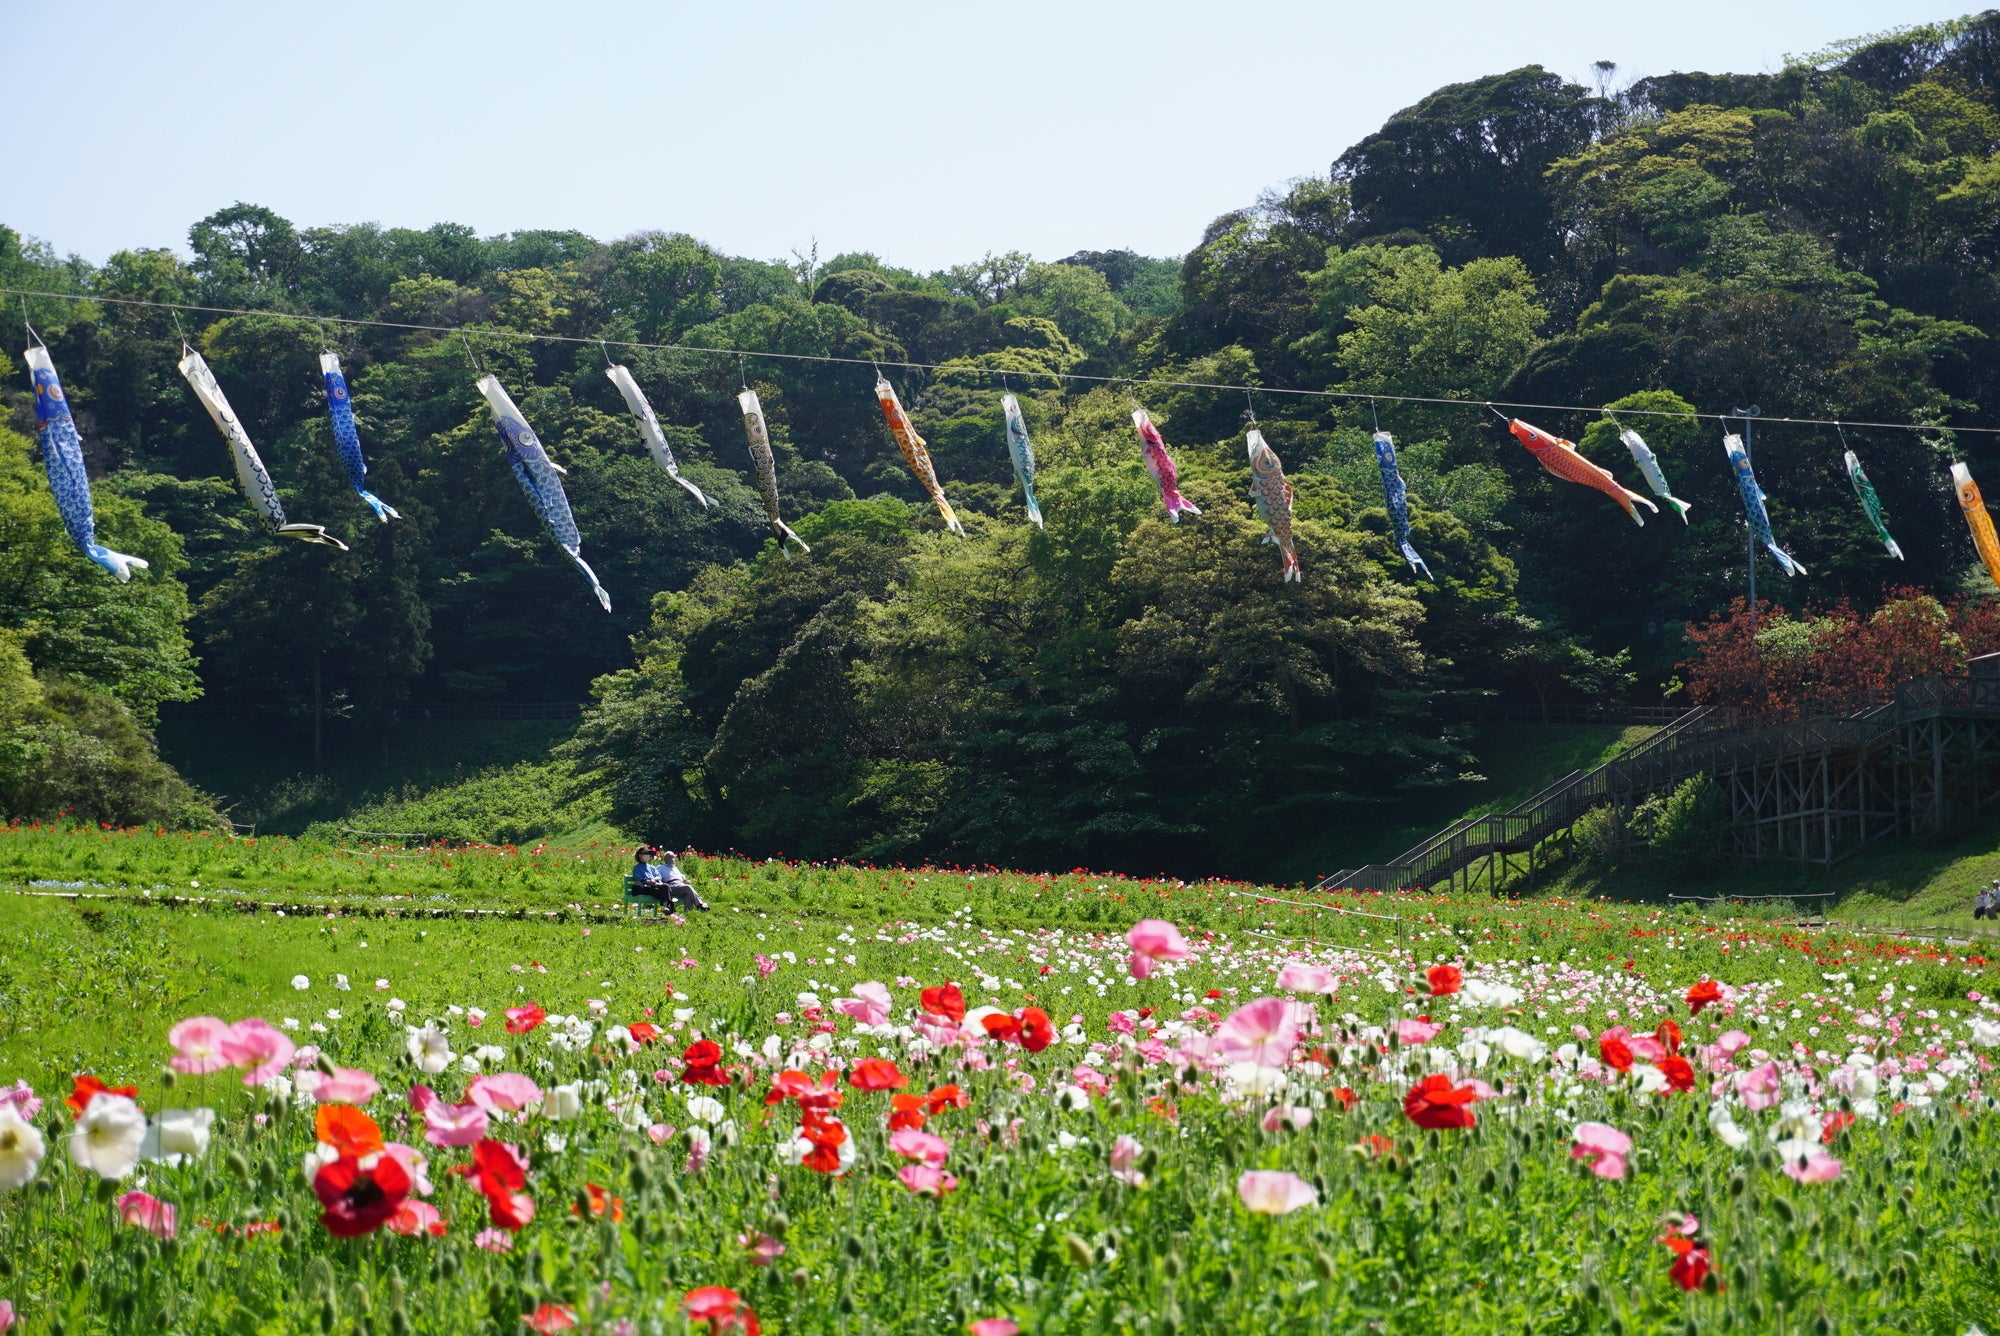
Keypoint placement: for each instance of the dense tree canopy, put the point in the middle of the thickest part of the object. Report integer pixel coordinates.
(1820, 242)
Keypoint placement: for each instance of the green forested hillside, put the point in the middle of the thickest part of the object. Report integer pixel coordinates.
(1114, 690)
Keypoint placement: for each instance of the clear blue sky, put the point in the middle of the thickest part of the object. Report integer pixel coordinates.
(930, 133)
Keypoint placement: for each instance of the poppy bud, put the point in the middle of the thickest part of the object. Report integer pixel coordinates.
(78, 1274)
(1593, 1294)
(106, 1189)
(846, 1304)
(359, 1301)
(1783, 1209)
(853, 1246)
(1079, 1251)
(1736, 1185)
(801, 1278)
(327, 1317)
(777, 1224)
(167, 1077)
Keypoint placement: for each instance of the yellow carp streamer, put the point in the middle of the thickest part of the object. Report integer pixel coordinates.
(916, 451)
(1977, 519)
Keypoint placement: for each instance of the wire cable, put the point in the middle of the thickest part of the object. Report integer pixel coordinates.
(948, 369)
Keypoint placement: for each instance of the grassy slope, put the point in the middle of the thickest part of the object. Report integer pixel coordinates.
(1516, 761)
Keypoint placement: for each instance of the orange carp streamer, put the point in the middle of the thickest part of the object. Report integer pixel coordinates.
(916, 451)
(1977, 519)
(1561, 458)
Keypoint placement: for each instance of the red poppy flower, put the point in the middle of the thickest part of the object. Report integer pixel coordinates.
(347, 1129)
(703, 1058)
(947, 1097)
(601, 1201)
(1616, 1053)
(1702, 994)
(1679, 1074)
(87, 1087)
(906, 1111)
(945, 1000)
(1001, 1026)
(722, 1308)
(510, 1211)
(1836, 1123)
(1444, 979)
(1692, 1263)
(1346, 1098)
(359, 1201)
(876, 1075)
(497, 1167)
(827, 1135)
(644, 1032)
(1435, 1103)
(551, 1318)
(1037, 1033)
(520, 1020)
(1375, 1146)
(1669, 1035)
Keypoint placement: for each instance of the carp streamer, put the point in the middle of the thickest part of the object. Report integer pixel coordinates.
(62, 455)
(347, 439)
(1753, 504)
(540, 477)
(1272, 496)
(1398, 498)
(916, 451)
(767, 468)
(1561, 458)
(1023, 455)
(1977, 519)
(1649, 469)
(1871, 504)
(1161, 465)
(649, 429)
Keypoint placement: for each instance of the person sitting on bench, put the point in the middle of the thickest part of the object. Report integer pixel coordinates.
(674, 883)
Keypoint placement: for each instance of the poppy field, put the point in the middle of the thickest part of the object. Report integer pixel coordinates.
(855, 1100)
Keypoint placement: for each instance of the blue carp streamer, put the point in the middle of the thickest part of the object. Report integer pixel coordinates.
(1023, 453)
(62, 455)
(1753, 504)
(649, 429)
(252, 478)
(347, 439)
(540, 477)
(1649, 468)
(1398, 498)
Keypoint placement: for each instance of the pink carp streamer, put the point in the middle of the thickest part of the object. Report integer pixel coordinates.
(1161, 466)
(1561, 458)
(916, 451)
(1272, 495)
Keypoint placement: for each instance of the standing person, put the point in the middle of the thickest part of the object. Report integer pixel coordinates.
(1982, 904)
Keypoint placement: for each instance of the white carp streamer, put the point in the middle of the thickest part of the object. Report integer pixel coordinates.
(251, 476)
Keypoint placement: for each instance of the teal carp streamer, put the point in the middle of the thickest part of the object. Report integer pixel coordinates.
(1022, 451)
(1871, 504)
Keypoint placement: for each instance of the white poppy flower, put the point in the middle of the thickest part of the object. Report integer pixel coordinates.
(705, 1108)
(301, 982)
(563, 1102)
(429, 1049)
(21, 1149)
(184, 1131)
(108, 1136)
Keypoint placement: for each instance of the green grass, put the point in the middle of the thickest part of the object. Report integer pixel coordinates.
(262, 772)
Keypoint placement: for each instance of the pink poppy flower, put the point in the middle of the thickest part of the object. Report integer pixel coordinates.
(1274, 1192)
(1125, 1153)
(1411, 1033)
(766, 966)
(869, 1005)
(143, 1210)
(1262, 1032)
(421, 1097)
(1760, 1087)
(1154, 940)
(454, 1124)
(1732, 1042)
(347, 1085)
(911, 1143)
(7, 1315)
(510, 1091)
(1299, 977)
(494, 1240)
(1807, 1163)
(660, 1133)
(417, 1217)
(198, 1041)
(993, 1326)
(1121, 1022)
(22, 1096)
(763, 1249)
(260, 1046)
(414, 1163)
(926, 1181)
(1603, 1147)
